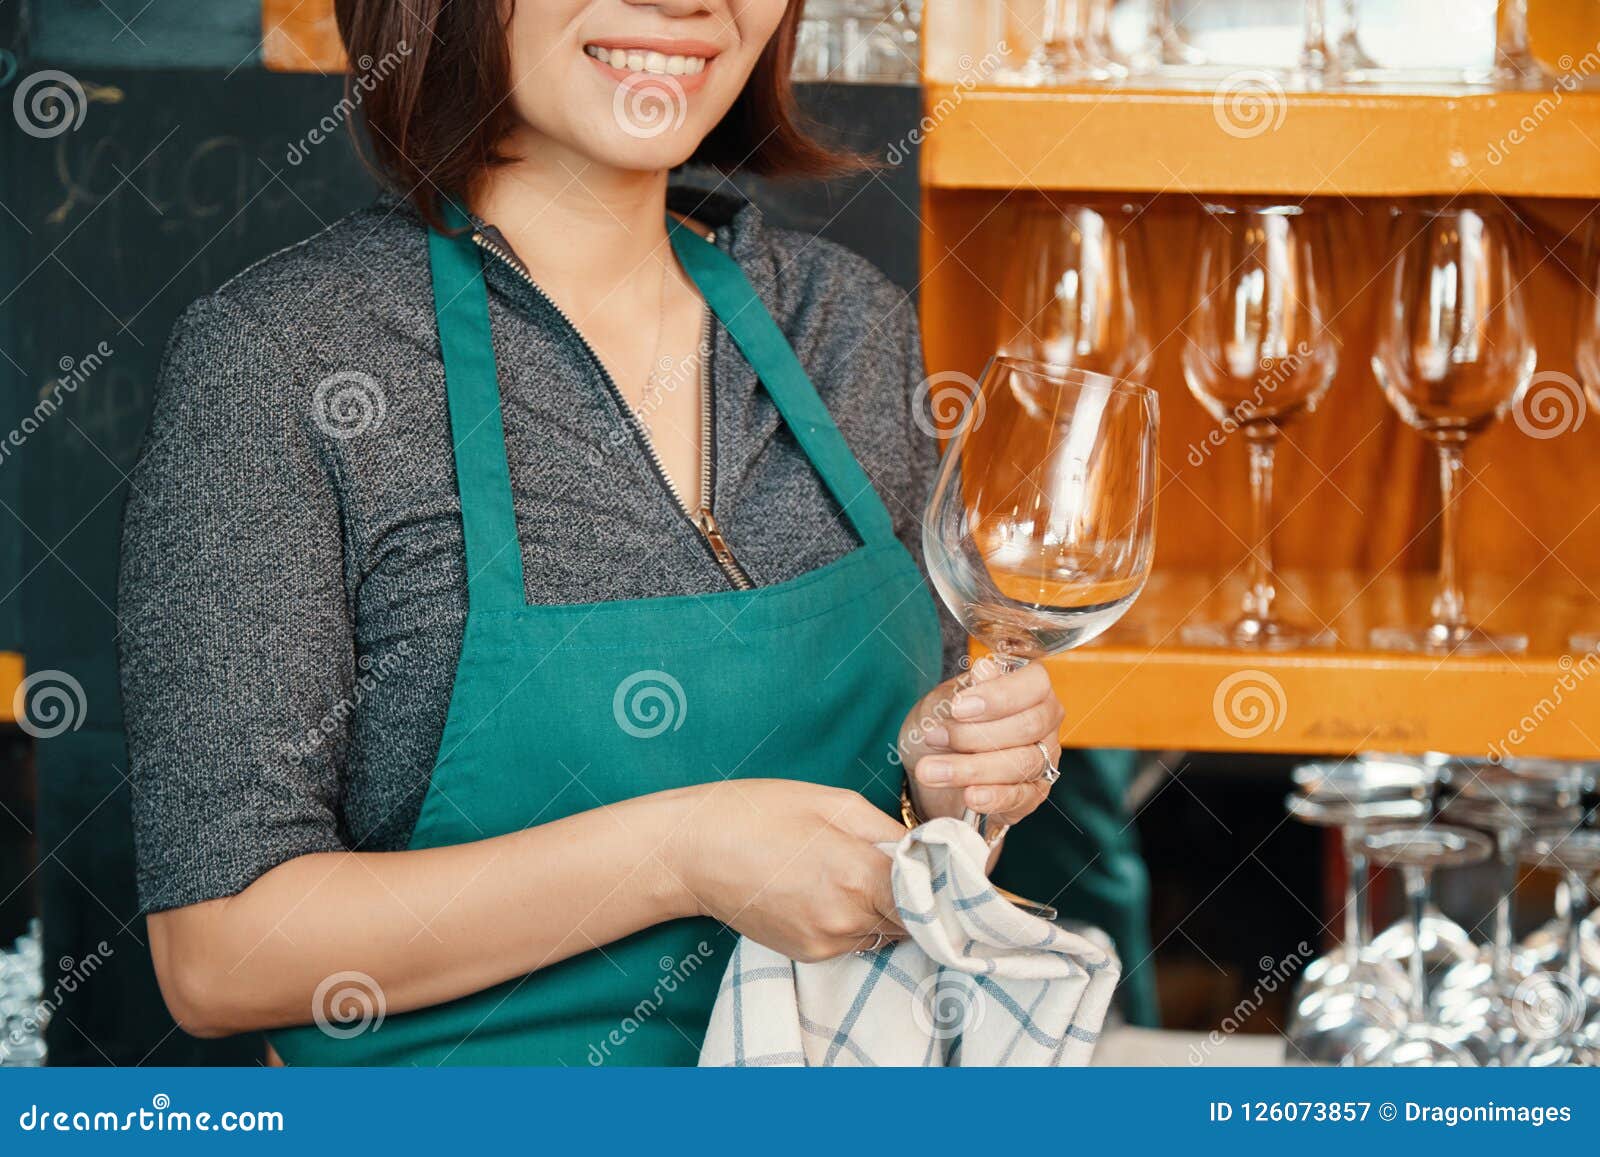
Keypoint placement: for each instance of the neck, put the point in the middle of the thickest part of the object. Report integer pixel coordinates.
(574, 221)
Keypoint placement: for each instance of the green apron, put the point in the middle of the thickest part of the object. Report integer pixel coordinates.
(559, 709)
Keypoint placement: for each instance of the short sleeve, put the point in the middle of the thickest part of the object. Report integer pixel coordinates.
(236, 647)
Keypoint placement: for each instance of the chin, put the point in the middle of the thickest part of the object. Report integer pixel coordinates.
(622, 150)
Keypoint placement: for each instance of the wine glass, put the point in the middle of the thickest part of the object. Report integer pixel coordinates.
(1454, 350)
(1317, 59)
(1077, 292)
(1040, 529)
(1259, 349)
(1574, 1042)
(1515, 66)
(1588, 359)
(1351, 60)
(1165, 46)
(1059, 57)
(1098, 55)
(1417, 852)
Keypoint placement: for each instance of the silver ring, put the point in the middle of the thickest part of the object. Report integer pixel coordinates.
(1051, 772)
(878, 943)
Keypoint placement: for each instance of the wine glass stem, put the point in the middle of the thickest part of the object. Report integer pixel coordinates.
(1416, 879)
(1355, 894)
(1449, 605)
(1578, 908)
(1263, 591)
(1059, 39)
(1314, 53)
(1162, 27)
(1504, 905)
(1007, 663)
(1511, 50)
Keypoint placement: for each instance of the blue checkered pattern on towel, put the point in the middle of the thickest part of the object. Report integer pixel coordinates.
(980, 982)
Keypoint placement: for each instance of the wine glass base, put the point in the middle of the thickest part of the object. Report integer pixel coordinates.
(1447, 639)
(1427, 1046)
(1256, 635)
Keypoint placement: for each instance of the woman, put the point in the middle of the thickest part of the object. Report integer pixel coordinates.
(546, 613)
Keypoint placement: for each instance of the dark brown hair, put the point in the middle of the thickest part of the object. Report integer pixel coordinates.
(435, 79)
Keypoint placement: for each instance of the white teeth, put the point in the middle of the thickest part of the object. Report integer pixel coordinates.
(654, 62)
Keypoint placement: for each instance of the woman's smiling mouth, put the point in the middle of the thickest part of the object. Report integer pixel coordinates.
(676, 61)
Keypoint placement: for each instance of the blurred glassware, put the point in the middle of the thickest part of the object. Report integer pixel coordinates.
(1454, 350)
(1558, 1002)
(1317, 61)
(819, 42)
(1165, 46)
(1349, 1003)
(1100, 61)
(1352, 64)
(24, 1014)
(1077, 292)
(1259, 348)
(1512, 809)
(1515, 66)
(1417, 852)
(859, 41)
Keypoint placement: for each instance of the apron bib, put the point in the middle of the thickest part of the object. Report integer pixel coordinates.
(560, 709)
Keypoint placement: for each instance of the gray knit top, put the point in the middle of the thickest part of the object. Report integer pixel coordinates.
(293, 575)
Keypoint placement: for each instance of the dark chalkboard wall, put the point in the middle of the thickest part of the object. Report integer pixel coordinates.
(175, 181)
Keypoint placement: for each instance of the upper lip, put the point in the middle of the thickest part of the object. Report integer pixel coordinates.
(666, 45)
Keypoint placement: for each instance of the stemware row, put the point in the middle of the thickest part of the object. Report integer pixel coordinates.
(1453, 352)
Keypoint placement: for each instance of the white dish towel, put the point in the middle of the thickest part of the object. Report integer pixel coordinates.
(980, 982)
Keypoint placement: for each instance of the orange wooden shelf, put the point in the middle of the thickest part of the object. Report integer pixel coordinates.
(12, 671)
(1376, 144)
(300, 36)
(1139, 687)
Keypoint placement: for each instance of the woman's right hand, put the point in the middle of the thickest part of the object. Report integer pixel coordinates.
(791, 865)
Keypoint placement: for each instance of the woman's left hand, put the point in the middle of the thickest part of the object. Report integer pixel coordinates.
(977, 745)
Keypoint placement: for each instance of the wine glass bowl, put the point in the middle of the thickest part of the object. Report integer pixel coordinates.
(1454, 351)
(1040, 530)
(1077, 291)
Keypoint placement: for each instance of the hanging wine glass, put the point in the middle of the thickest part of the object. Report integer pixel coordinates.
(1077, 292)
(1417, 852)
(1040, 529)
(1260, 349)
(1574, 1041)
(1454, 350)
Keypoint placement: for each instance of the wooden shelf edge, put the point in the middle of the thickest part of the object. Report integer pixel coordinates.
(1381, 144)
(1334, 704)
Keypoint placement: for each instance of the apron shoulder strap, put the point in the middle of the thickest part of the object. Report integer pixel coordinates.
(735, 302)
(472, 381)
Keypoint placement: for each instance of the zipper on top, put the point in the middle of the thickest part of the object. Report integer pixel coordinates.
(704, 520)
